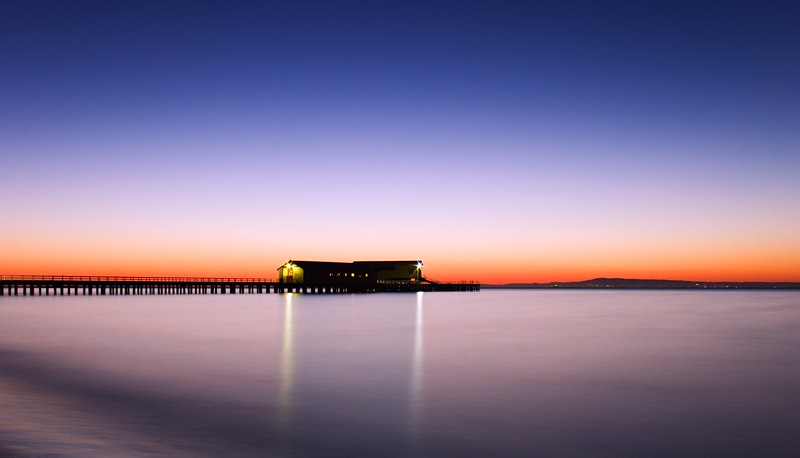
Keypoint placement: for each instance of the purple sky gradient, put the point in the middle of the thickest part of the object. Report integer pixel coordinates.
(571, 138)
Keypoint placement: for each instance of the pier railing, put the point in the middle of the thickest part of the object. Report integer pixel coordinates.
(102, 285)
(462, 282)
(105, 278)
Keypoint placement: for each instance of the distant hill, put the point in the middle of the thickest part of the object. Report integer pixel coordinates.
(651, 284)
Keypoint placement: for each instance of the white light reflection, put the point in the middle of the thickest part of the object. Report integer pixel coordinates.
(287, 368)
(415, 401)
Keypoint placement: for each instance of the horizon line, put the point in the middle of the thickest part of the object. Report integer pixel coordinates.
(522, 283)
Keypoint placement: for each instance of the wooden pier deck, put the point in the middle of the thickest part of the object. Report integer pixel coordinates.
(59, 285)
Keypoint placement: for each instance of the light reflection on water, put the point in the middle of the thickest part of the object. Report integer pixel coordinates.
(500, 373)
(415, 403)
(286, 367)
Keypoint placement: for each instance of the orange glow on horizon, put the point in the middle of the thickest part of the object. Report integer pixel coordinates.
(496, 272)
(490, 264)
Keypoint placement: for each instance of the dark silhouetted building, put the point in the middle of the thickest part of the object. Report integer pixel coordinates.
(364, 275)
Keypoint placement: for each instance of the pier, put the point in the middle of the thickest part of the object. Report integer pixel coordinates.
(60, 285)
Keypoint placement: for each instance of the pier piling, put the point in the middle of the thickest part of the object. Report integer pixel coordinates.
(31, 285)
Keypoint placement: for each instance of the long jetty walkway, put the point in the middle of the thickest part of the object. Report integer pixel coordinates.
(45, 285)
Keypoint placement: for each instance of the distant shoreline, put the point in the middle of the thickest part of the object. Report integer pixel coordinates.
(624, 283)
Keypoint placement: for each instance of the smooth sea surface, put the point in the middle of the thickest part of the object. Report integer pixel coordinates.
(583, 373)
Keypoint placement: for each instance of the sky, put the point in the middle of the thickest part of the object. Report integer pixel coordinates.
(495, 141)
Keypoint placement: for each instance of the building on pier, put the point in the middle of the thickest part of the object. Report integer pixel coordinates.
(358, 274)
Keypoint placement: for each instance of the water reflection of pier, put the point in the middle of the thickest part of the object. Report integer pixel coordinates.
(286, 371)
(416, 392)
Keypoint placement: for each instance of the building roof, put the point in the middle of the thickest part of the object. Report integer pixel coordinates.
(341, 265)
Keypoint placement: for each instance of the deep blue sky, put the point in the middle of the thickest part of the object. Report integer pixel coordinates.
(600, 137)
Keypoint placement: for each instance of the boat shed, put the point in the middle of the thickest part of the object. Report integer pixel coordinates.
(357, 274)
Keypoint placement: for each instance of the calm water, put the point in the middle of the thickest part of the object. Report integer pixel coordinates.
(494, 373)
